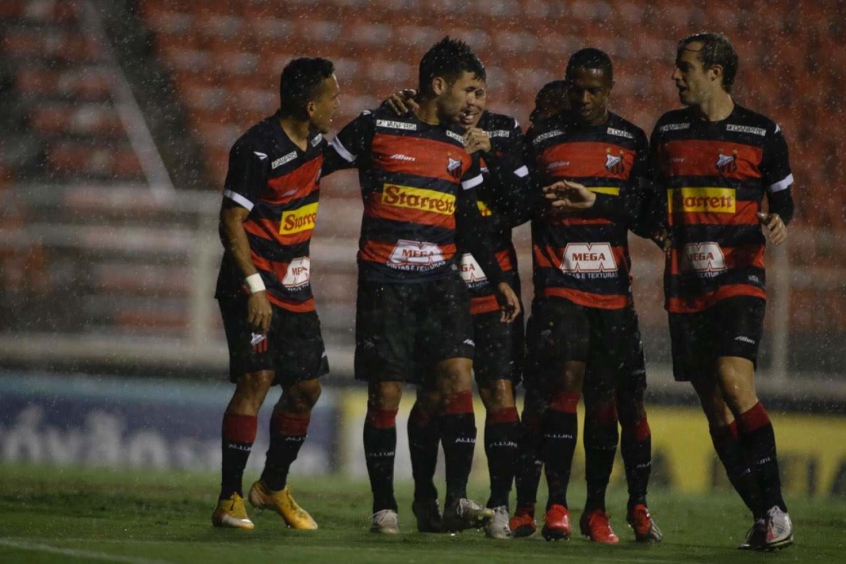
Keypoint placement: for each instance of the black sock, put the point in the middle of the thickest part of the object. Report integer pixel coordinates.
(739, 470)
(380, 445)
(758, 439)
(561, 427)
(458, 436)
(424, 437)
(636, 448)
(287, 434)
(239, 434)
(501, 433)
(600, 438)
(530, 457)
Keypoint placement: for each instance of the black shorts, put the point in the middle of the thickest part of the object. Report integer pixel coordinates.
(500, 348)
(731, 327)
(293, 347)
(403, 330)
(607, 340)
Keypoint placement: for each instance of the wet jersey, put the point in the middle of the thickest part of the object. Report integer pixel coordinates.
(277, 182)
(583, 257)
(715, 175)
(504, 171)
(414, 179)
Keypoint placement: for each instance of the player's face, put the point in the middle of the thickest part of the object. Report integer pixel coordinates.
(588, 91)
(548, 103)
(471, 113)
(693, 81)
(325, 106)
(463, 95)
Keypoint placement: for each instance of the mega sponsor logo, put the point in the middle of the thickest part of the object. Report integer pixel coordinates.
(418, 199)
(298, 220)
(298, 273)
(710, 200)
(416, 254)
(471, 271)
(703, 257)
(588, 257)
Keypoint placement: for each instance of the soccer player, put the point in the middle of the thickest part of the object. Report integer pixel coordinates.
(584, 331)
(716, 160)
(269, 208)
(413, 314)
(498, 141)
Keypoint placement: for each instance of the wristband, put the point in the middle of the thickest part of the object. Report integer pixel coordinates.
(255, 283)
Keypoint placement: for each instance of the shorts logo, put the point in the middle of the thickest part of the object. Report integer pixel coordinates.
(258, 342)
(727, 164)
(744, 339)
(298, 273)
(588, 257)
(416, 253)
(299, 220)
(469, 342)
(614, 163)
(708, 200)
(703, 257)
(471, 272)
(418, 199)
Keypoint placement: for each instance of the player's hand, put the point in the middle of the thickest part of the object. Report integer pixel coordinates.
(567, 196)
(402, 101)
(476, 139)
(259, 312)
(776, 229)
(509, 303)
(663, 240)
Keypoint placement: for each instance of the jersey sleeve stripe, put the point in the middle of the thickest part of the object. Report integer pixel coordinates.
(522, 172)
(782, 184)
(472, 183)
(339, 147)
(238, 199)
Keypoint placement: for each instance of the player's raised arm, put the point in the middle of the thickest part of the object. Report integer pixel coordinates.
(350, 147)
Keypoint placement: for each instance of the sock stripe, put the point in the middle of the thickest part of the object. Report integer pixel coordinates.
(459, 403)
(289, 424)
(724, 434)
(565, 402)
(504, 415)
(641, 430)
(239, 428)
(753, 419)
(381, 418)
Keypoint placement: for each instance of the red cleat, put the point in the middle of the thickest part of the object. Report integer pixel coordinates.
(644, 527)
(556, 523)
(594, 525)
(523, 523)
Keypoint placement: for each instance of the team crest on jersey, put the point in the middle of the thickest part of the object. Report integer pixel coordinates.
(614, 163)
(454, 167)
(727, 164)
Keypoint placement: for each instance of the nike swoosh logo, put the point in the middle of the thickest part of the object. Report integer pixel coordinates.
(261, 156)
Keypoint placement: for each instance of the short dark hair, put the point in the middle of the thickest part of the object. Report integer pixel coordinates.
(449, 58)
(717, 49)
(590, 58)
(551, 99)
(300, 83)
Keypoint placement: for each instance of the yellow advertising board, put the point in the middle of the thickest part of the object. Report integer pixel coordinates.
(811, 448)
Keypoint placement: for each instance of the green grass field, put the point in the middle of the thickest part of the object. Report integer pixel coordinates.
(78, 515)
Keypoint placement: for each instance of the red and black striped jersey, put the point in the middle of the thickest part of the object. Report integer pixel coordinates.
(278, 183)
(715, 175)
(584, 257)
(414, 178)
(504, 171)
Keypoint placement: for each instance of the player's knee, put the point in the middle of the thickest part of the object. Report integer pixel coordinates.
(302, 396)
(385, 395)
(454, 376)
(428, 401)
(498, 394)
(250, 392)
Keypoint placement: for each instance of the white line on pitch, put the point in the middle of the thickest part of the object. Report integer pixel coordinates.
(76, 553)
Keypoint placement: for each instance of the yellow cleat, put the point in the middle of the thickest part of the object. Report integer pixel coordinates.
(232, 513)
(282, 503)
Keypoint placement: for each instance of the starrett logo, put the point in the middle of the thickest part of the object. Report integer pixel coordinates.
(298, 220)
(418, 199)
(711, 200)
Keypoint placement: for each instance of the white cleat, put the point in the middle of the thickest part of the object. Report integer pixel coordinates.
(498, 528)
(779, 530)
(464, 514)
(385, 522)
